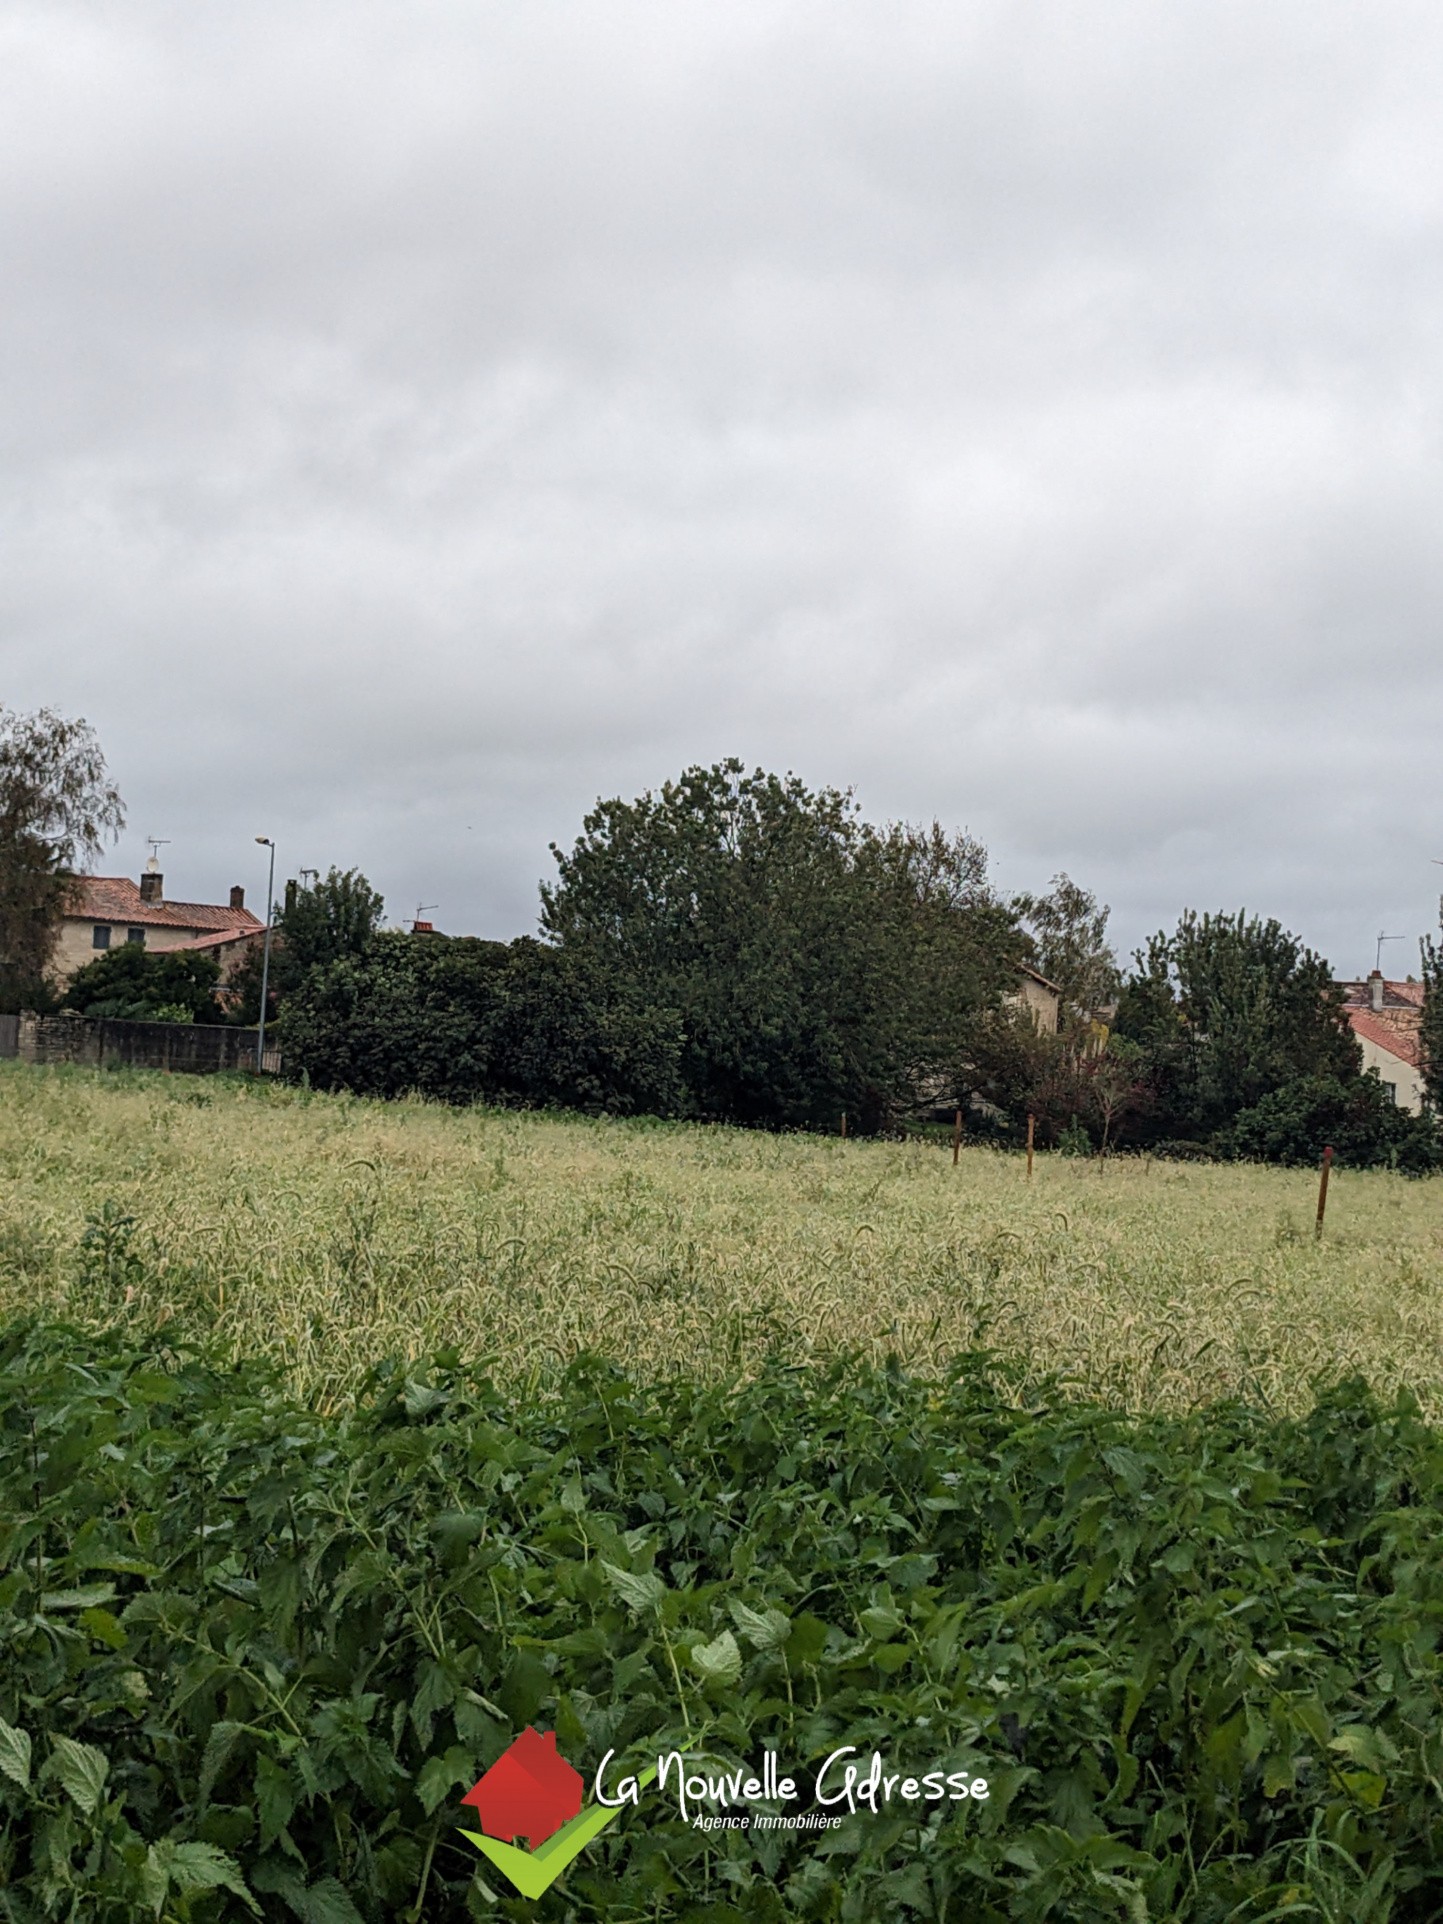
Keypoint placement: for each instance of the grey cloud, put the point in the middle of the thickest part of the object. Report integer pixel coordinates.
(421, 420)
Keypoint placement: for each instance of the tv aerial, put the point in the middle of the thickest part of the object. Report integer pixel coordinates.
(1378, 959)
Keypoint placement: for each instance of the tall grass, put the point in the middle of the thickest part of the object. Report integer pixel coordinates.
(326, 1232)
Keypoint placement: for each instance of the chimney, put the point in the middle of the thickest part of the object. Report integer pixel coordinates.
(150, 883)
(237, 897)
(1375, 991)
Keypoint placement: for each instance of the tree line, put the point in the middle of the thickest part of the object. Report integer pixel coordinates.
(738, 947)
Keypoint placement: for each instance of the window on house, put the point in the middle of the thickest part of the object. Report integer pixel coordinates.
(100, 936)
(1392, 1089)
(137, 936)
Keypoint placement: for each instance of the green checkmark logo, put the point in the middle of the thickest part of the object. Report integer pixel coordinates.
(533, 1872)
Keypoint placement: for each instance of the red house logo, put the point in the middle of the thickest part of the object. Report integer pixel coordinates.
(530, 1791)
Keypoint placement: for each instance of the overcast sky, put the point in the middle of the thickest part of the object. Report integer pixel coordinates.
(418, 420)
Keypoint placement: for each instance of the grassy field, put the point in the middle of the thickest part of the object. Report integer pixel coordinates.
(325, 1233)
(282, 1625)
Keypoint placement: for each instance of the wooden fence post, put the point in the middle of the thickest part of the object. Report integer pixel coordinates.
(1323, 1189)
(957, 1139)
(1031, 1127)
(844, 1125)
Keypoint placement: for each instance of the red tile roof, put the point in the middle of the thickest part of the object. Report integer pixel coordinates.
(219, 941)
(1359, 995)
(115, 898)
(1395, 1030)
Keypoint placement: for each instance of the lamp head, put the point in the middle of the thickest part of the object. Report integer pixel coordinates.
(265, 841)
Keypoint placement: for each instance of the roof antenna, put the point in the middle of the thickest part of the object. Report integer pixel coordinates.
(155, 843)
(422, 910)
(1378, 961)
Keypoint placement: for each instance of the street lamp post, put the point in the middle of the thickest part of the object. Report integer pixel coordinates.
(266, 842)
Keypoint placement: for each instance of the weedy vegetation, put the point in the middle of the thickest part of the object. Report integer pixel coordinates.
(323, 1232)
(253, 1654)
(691, 1438)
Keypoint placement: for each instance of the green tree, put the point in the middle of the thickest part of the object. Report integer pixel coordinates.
(947, 949)
(1070, 947)
(1007, 1060)
(335, 919)
(815, 965)
(1431, 1031)
(57, 807)
(174, 985)
(1227, 1010)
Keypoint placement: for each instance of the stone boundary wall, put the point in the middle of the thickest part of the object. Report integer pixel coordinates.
(103, 1042)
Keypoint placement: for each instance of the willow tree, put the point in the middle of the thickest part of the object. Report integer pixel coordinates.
(57, 807)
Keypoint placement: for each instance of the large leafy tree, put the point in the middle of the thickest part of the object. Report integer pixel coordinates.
(1227, 1010)
(334, 919)
(815, 964)
(947, 947)
(57, 809)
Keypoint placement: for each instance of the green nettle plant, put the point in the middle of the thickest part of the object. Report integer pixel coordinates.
(253, 1655)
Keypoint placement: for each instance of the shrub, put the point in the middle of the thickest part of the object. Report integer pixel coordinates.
(175, 985)
(464, 1020)
(1074, 1140)
(1358, 1117)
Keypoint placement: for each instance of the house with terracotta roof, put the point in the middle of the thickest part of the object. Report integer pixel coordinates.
(104, 911)
(1387, 1018)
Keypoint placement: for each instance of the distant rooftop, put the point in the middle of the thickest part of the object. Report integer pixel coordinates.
(115, 898)
(1387, 1014)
